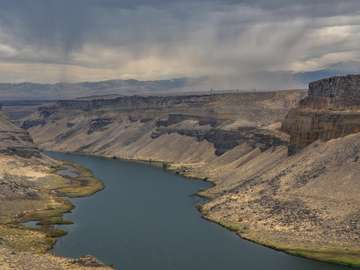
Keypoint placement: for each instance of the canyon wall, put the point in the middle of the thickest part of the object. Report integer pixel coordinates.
(306, 203)
(331, 110)
(107, 126)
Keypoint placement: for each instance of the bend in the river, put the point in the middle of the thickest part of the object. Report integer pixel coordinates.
(146, 219)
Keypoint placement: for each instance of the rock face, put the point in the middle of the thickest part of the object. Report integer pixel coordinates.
(29, 124)
(174, 118)
(98, 124)
(342, 93)
(331, 110)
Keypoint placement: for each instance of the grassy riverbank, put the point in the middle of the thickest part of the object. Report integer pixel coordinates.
(324, 253)
(328, 254)
(331, 255)
(53, 206)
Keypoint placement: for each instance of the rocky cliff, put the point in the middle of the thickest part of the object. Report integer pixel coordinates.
(335, 93)
(331, 110)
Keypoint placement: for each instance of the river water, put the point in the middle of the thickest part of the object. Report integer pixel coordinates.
(146, 219)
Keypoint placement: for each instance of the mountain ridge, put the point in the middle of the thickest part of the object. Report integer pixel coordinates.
(62, 90)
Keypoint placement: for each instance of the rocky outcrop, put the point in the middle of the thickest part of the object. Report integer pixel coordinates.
(99, 124)
(32, 123)
(225, 140)
(335, 93)
(331, 110)
(175, 118)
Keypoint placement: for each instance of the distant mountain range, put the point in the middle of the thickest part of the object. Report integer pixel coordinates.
(36, 91)
(113, 88)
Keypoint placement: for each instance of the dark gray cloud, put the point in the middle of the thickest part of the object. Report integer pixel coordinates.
(235, 43)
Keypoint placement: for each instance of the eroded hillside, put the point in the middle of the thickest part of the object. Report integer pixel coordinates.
(119, 127)
(305, 204)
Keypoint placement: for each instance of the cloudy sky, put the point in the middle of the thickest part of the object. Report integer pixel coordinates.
(240, 44)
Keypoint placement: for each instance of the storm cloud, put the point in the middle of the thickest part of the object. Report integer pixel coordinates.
(235, 44)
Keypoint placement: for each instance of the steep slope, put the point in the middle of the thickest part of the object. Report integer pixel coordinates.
(306, 204)
(117, 126)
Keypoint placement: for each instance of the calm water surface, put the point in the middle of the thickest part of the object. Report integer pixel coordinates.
(145, 219)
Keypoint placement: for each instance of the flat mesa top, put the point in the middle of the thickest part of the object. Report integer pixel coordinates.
(338, 86)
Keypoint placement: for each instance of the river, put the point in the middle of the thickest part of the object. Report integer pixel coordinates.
(145, 219)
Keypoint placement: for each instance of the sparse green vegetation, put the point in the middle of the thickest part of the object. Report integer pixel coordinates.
(333, 256)
(165, 166)
(51, 206)
(24, 239)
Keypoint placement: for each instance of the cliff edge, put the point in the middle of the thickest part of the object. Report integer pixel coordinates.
(331, 110)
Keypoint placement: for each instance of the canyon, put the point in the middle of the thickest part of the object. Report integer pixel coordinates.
(284, 164)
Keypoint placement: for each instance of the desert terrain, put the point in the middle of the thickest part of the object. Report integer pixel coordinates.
(284, 164)
(33, 188)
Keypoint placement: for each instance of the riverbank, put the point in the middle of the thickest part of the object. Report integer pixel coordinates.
(324, 254)
(36, 191)
(151, 215)
(33, 189)
(71, 181)
(321, 254)
(315, 252)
